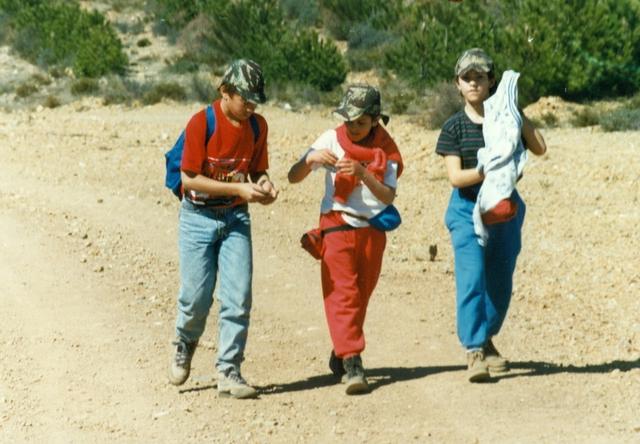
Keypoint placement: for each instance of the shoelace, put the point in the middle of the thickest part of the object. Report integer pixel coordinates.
(236, 377)
(183, 354)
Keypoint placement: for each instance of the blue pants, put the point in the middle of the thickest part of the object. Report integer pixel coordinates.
(215, 244)
(484, 275)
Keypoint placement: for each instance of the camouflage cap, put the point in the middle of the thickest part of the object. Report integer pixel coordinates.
(360, 99)
(246, 76)
(473, 59)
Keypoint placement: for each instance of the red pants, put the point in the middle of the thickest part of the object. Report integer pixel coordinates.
(351, 264)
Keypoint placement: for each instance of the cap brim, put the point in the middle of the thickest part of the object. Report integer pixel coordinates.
(474, 67)
(256, 98)
(342, 114)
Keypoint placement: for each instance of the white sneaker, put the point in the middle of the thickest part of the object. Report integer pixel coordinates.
(232, 385)
(181, 362)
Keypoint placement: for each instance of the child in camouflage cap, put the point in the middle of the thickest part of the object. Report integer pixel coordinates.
(220, 179)
(361, 164)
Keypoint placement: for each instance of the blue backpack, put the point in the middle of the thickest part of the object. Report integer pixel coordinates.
(173, 157)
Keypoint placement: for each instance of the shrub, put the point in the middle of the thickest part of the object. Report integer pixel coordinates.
(549, 120)
(26, 89)
(128, 27)
(587, 116)
(622, 119)
(84, 85)
(586, 55)
(443, 101)
(305, 12)
(143, 42)
(41, 79)
(182, 65)
(366, 47)
(435, 35)
(164, 90)
(173, 15)
(285, 55)
(121, 90)
(311, 61)
(51, 102)
(397, 96)
(60, 33)
(340, 16)
(202, 88)
(634, 102)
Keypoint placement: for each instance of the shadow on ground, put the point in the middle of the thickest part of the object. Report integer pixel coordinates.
(540, 368)
(377, 377)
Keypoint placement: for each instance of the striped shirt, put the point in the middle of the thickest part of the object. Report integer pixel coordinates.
(461, 137)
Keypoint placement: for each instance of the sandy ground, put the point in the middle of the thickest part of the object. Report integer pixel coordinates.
(88, 278)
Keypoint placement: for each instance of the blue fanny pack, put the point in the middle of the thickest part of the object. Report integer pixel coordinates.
(386, 220)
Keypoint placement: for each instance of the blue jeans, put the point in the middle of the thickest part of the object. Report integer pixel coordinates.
(212, 241)
(484, 275)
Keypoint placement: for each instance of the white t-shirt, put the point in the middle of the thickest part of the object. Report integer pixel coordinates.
(361, 201)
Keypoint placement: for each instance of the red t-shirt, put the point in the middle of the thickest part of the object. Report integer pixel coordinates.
(230, 156)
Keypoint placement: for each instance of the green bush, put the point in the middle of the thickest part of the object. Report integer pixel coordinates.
(340, 16)
(366, 47)
(285, 54)
(173, 15)
(60, 33)
(305, 12)
(182, 65)
(576, 49)
(623, 119)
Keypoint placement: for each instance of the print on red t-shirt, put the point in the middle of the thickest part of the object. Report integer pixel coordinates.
(230, 156)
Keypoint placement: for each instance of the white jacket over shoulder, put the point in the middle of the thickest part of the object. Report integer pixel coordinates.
(503, 157)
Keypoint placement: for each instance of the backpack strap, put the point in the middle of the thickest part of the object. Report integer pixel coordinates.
(255, 127)
(211, 124)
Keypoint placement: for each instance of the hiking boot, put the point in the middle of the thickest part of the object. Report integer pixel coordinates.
(354, 376)
(495, 362)
(477, 370)
(181, 364)
(336, 365)
(232, 385)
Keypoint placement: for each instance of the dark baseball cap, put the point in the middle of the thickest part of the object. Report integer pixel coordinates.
(360, 99)
(246, 76)
(473, 59)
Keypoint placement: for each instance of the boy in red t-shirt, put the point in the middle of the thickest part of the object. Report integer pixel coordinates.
(219, 181)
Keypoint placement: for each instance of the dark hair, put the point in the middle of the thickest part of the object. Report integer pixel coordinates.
(492, 76)
(228, 88)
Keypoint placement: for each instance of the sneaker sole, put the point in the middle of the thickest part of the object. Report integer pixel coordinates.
(480, 377)
(238, 396)
(357, 388)
(175, 381)
(498, 368)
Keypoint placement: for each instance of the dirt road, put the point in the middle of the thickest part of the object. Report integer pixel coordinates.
(88, 276)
